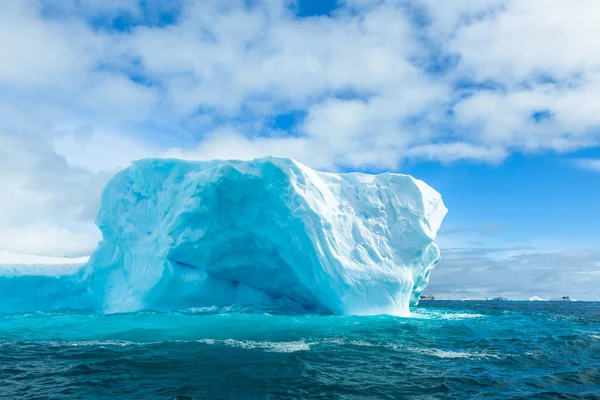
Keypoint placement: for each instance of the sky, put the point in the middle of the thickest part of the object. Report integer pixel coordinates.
(494, 103)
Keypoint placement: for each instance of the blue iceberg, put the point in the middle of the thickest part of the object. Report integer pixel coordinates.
(269, 232)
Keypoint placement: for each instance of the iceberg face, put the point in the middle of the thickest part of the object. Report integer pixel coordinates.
(42, 283)
(270, 232)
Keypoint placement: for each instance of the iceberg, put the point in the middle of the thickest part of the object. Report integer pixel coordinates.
(499, 298)
(30, 282)
(270, 232)
(536, 298)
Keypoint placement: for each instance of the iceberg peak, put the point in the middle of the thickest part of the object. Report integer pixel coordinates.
(269, 232)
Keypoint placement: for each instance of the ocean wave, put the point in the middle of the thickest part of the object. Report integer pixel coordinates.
(461, 316)
(454, 354)
(334, 340)
(78, 343)
(362, 343)
(210, 310)
(275, 347)
(100, 343)
(449, 316)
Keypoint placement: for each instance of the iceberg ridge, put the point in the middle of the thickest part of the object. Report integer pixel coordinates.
(270, 232)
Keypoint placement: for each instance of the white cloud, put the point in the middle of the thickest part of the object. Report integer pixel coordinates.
(448, 152)
(591, 164)
(94, 8)
(518, 273)
(447, 16)
(47, 207)
(228, 143)
(539, 56)
(100, 151)
(40, 238)
(525, 38)
(38, 53)
(226, 58)
(79, 102)
(120, 98)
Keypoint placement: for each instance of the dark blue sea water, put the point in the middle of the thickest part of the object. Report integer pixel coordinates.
(447, 350)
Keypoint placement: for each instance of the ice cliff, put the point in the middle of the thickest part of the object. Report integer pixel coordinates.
(269, 232)
(29, 283)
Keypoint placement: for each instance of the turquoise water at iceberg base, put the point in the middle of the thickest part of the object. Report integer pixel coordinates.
(453, 350)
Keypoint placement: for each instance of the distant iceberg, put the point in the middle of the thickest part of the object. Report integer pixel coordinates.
(269, 232)
(536, 298)
(500, 298)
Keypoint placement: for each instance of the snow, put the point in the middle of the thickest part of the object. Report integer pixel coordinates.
(269, 232)
(9, 258)
(27, 264)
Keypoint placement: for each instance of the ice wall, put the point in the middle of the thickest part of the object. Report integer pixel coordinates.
(270, 232)
(29, 282)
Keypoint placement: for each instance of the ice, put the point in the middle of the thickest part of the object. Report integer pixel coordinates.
(10, 258)
(269, 232)
(31, 282)
(536, 298)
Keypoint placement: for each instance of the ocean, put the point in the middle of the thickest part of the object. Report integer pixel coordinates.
(445, 350)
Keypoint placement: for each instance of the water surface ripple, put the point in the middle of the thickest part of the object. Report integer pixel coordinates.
(446, 350)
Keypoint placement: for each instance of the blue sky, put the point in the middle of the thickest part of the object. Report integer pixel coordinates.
(491, 102)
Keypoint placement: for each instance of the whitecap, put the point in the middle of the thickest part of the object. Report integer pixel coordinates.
(203, 310)
(104, 343)
(213, 310)
(440, 315)
(275, 347)
(334, 340)
(362, 343)
(454, 354)
(120, 343)
(461, 316)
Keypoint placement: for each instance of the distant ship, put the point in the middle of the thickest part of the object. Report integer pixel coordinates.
(564, 298)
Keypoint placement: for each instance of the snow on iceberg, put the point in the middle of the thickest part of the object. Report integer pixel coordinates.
(268, 232)
(30, 282)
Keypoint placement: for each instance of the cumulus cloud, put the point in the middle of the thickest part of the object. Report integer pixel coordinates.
(590, 164)
(47, 206)
(448, 152)
(100, 151)
(534, 70)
